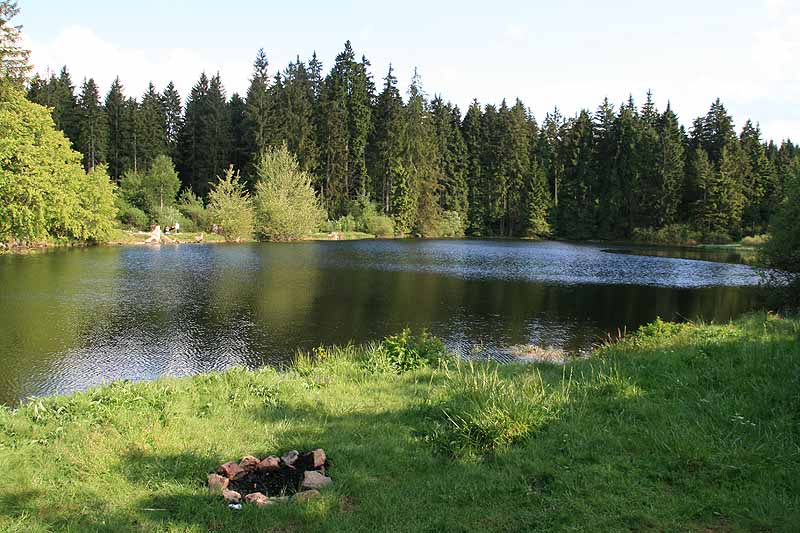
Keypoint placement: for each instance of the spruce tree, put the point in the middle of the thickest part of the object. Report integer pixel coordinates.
(386, 148)
(471, 132)
(14, 60)
(120, 131)
(609, 191)
(670, 170)
(173, 118)
(238, 134)
(151, 140)
(257, 112)
(92, 126)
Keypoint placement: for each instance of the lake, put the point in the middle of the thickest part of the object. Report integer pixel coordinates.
(76, 318)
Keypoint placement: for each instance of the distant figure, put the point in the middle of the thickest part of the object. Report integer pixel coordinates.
(177, 227)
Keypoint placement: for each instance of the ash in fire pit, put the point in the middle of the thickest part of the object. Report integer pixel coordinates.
(272, 479)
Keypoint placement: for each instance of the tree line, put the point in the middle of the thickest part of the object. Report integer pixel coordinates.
(614, 173)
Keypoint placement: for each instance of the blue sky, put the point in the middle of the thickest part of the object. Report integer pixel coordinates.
(568, 54)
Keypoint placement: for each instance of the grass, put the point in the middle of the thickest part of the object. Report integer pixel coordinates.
(675, 428)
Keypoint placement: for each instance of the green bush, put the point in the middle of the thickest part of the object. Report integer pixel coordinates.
(675, 234)
(444, 224)
(286, 205)
(131, 217)
(755, 240)
(168, 216)
(405, 352)
(379, 225)
(193, 210)
(230, 207)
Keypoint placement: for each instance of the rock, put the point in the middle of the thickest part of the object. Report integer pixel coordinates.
(315, 480)
(229, 470)
(216, 484)
(290, 457)
(315, 459)
(306, 495)
(258, 499)
(270, 464)
(279, 499)
(231, 496)
(235, 506)
(249, 463)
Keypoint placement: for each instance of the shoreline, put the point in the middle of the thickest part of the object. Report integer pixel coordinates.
(631, 437)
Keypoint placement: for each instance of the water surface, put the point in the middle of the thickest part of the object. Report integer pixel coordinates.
(75, 318)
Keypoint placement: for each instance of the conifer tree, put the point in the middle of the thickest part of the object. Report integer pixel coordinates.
(173, 118)
(471, 132)
(576, 209)
(92, 127)
(386, 148)
(14, 60)
(120, 131)
(669, 170)
(608, 188)
(238, 135)
(257, 112)
(151, 140)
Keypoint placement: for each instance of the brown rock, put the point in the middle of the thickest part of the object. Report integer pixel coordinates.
(290, 457)
(258, 499)
(270, 464)
(216, 484)
(249, 463)
(315, 459)
(229, 470)
(306, 495)
(231, 496)
(315, 480)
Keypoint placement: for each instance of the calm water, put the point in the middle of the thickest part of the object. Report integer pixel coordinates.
(75, 318)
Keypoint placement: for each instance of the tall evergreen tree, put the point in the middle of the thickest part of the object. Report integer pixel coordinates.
(471, 132)
(92, 126)
(14, 60)
(173, 118)
(257, 111)
(121, 130)
(151, 139)
(386, 147)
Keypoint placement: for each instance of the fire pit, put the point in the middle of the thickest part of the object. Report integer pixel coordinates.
(262, 482)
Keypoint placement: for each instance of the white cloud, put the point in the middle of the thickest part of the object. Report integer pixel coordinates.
(87, 55)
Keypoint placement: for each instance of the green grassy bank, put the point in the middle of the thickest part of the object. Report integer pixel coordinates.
(676, 428)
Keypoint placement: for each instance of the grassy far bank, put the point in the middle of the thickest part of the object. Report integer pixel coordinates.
(690, 427)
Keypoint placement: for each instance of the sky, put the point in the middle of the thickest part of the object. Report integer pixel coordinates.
(569, 53)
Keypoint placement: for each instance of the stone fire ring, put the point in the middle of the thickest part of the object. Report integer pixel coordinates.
(263, 482)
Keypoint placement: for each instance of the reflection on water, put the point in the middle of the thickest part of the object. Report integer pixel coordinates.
(76, 318)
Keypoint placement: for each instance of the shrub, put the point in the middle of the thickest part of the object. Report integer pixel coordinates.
(193, 210)
(755, 240)
(679, 234)
(168, 216)
(230, 207)
(444, 224)
(286, 205)
(405, 352)
(129, 216)
(379, 225)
